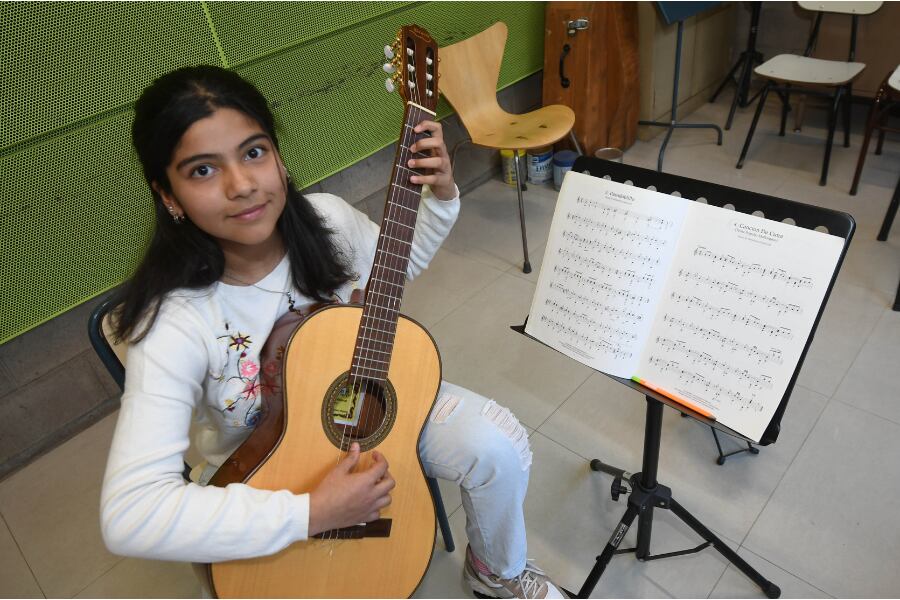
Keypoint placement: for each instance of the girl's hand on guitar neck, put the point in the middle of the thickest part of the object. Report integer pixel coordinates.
(441, 177)
(345, 498)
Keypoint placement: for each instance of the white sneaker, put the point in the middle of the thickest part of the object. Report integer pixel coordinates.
(530, 583)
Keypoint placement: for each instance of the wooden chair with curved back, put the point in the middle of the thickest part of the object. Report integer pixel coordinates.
(468, 80)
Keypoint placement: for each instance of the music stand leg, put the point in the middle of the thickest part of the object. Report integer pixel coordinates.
(645, 495)
(747, 60)
(673, 123)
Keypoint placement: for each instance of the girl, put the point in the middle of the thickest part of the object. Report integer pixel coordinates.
(236, 248)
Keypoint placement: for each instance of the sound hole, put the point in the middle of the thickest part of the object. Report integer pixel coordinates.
(358, 410)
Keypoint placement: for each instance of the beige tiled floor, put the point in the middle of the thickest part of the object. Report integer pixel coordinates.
(817, 512)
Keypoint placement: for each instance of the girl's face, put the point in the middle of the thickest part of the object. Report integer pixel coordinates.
(227, 177)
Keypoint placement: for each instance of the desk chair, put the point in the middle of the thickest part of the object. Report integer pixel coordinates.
(468, 79)
(887, 98)
(112, 355)
(787, 70)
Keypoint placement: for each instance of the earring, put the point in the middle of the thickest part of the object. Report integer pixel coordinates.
(179, 219)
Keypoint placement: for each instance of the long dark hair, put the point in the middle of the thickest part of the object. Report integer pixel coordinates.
(181, 255)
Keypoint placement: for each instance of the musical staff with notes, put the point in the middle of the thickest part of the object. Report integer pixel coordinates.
(713, 305)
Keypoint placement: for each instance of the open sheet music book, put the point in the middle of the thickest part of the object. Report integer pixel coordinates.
(710, 305)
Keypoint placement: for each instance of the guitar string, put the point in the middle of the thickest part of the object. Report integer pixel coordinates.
(393, 265)
(395, 261)
(367, 343)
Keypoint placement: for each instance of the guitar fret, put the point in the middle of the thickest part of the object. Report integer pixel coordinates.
(399, 223)
(384, 235)
(399, 285)
(406, 188)
(378, 330)
(388, 352)
(413, 171)
(390, 269)
(388, 320)
(387, 362)
(393, 254)
(355, 371)
(422, 154)
(412, 210)
(395, 298)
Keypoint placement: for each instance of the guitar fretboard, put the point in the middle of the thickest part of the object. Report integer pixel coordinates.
(378, 326)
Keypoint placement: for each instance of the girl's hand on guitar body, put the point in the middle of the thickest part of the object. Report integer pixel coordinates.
(441, 178)
(344, 498)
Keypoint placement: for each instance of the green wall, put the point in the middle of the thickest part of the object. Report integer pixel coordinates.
(75, 214)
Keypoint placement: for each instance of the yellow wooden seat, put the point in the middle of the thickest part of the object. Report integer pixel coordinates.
(468, 79)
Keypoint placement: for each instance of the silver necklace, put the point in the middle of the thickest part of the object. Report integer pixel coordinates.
(290, 298)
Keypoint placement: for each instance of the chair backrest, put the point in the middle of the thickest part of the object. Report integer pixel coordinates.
(111, 354)
(847, 8)
(469, 71)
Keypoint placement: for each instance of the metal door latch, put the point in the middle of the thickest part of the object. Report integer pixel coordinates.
(577, 24)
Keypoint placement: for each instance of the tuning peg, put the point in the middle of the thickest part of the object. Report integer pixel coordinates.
(389, 86)
(389, 68)
(388, 53)
(411, 85)
(429, 93)
(409, 52)
(428, 61)
(429, 76)
(411, 68)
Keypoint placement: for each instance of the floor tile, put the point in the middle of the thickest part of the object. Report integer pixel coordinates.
(872, 383)
(605, 420)
(834, 518)
(488, 228)
(850, 316)
(482, 353)
(449, 280)
(16, 579)
(52, 509)
(443, 579)
(134, 578)
(571, 516)
(734, 584)
(874, 265)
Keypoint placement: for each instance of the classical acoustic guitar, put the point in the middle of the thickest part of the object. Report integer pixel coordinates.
(354, 373)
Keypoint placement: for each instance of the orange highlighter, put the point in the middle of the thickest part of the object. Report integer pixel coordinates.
(672, 396)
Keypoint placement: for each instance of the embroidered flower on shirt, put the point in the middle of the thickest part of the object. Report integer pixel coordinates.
(240, 341)
(249, 368)
(251, 390)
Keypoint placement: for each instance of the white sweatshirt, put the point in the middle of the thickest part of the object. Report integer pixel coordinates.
(200, 362)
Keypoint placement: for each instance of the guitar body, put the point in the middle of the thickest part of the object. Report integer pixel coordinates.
(316, 359)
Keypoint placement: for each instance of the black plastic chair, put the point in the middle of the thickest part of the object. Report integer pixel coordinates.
(113, 363)
(788, 74)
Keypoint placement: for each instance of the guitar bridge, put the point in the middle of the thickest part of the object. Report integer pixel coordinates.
(378, 528)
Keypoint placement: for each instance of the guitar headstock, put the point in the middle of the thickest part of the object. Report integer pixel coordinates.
(413, 62)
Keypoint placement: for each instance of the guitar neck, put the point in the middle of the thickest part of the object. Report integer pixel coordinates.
(378, 326)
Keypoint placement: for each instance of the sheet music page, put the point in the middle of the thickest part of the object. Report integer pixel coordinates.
(604, 267)
(735, 313)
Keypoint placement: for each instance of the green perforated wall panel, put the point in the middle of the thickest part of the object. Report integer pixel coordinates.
(75, 214)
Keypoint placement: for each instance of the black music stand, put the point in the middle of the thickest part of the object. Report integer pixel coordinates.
(645, 493)
(673, 12)
(748, 59)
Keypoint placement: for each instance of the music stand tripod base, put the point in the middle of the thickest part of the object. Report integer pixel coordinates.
(674, 124)
(646, 494)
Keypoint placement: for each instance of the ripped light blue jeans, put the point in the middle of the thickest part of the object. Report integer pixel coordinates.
(481, 446)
